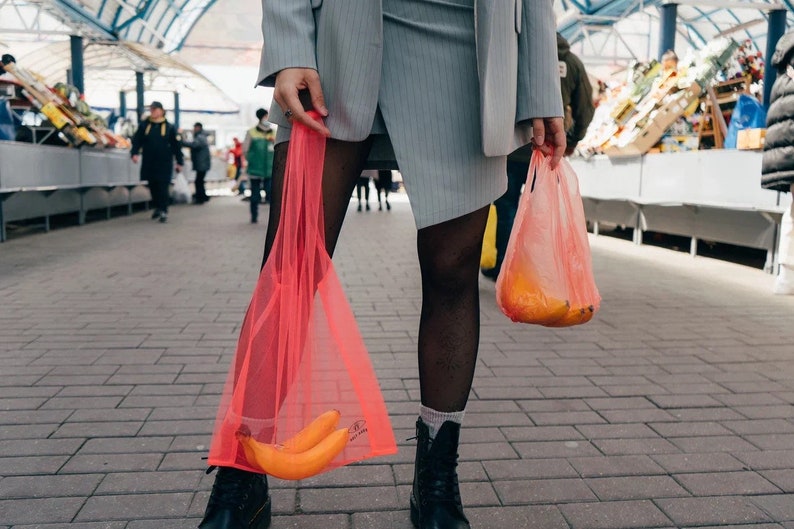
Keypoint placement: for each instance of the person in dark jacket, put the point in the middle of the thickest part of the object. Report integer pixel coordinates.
(258, 149)
(777, 170)
(577, 98)
(201, 160)
(159, 142)
(577, 95)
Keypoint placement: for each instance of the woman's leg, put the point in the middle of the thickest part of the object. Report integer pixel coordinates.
(449, 335)
(449, 328)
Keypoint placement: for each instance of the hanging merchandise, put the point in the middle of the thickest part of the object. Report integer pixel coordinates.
(63, 107)
(547, 275)
(301, 397)
(674, 110)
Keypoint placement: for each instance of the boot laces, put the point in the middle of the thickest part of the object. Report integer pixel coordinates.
(232, 489)
(441, 479)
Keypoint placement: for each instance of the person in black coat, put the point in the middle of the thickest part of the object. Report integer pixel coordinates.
(777, 171)
(160, 144)
(200, 159)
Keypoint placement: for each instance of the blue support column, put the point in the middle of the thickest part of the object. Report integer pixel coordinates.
(139, 88)
(667, 26)
(776, 29)
(78, 71)
(177, 110)
(122, 104)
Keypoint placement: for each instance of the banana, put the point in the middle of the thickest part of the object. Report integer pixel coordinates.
(275, 462)
(526, 302)
(315, 432)
(576, 316)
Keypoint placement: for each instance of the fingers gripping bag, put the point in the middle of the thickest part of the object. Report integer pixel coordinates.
(547, 273)
(301, 396)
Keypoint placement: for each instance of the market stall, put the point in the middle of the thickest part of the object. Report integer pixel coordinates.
(56, 155)
(678, 151)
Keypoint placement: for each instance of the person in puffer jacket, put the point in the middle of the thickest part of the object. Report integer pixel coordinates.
(777, 172)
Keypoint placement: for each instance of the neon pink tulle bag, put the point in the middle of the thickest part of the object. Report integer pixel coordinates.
(301, 396)
(547, 273)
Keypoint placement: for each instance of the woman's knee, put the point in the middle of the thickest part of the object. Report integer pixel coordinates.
(450, 269)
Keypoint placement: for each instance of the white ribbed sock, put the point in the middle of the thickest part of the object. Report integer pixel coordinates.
(434, 419)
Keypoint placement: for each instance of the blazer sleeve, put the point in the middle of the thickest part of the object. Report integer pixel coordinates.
(539, 93)
(288, 32)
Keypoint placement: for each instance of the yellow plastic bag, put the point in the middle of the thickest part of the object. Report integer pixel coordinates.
(488, 257)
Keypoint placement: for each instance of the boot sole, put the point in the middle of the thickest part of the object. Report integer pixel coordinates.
(262, 519)
(414, 513)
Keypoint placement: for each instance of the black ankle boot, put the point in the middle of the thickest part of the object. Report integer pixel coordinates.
(239, 500)
(435, 499)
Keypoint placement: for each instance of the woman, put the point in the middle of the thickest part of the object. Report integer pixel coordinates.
(454, 86)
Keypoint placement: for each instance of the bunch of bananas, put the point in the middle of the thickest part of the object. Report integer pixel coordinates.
(302, 456)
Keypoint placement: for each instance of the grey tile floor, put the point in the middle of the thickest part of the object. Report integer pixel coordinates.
(673, 408)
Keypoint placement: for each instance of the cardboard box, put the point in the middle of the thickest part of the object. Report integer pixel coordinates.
(664, 117)
(750, 139)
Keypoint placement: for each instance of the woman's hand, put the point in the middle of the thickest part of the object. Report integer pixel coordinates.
(289, 82)
(549, 137)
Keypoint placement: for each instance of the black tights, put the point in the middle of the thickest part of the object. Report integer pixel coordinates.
(449, 259)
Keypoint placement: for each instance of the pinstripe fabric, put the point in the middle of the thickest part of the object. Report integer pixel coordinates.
(463, 63)
(519, 78)
(429, 99)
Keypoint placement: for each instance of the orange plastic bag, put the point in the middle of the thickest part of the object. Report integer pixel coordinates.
(301, 396)
(547, 273)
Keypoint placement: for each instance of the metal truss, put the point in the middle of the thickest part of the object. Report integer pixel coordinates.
(26, 21)
(164, 24)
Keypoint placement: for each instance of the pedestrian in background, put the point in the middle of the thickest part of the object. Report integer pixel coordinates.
(157, 140)
(362, 185)
(778, 161)
(577, 95)
(257, 148)
(201, 160)
(577, 99)
(383, 183)
(236, 153)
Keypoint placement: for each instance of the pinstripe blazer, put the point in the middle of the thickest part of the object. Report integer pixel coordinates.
(342, 39)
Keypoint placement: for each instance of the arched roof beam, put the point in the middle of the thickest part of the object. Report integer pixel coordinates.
(729, 4)
(204, 10)
(80, 16)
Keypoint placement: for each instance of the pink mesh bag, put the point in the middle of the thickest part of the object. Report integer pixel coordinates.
(301, 396)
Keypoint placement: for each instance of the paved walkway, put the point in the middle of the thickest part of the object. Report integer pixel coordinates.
(674, 408)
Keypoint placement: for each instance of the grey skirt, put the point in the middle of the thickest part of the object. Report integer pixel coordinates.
(429, 110)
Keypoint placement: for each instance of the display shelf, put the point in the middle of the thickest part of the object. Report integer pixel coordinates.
(711, 195)
(718, 108)
(39, 181)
